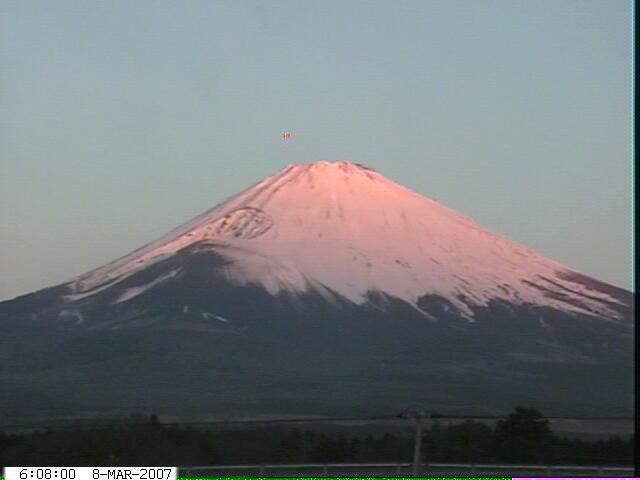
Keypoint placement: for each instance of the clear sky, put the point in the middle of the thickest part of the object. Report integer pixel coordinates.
(120, 120)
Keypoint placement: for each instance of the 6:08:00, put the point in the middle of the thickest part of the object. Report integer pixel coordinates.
(48, 473)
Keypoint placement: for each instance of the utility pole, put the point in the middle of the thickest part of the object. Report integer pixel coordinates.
(418, 416)
(417, 447)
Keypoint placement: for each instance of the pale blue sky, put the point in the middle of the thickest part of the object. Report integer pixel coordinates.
(120, 120)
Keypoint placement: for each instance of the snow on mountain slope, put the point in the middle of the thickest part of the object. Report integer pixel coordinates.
(349, 229)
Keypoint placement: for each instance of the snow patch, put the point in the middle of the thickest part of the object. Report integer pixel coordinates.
(133, 292)
(73, 314)
(209, 315)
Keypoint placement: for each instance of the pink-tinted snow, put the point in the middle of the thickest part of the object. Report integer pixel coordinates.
(351, 230)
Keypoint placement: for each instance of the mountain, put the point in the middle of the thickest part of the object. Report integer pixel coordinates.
(325, 288)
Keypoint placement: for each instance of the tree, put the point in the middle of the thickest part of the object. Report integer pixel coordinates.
(524, 436)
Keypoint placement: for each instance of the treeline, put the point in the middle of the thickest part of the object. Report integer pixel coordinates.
(523, 437)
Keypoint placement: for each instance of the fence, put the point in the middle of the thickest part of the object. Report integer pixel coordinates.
(404, 470)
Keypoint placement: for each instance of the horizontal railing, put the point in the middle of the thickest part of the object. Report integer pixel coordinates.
(401, 468)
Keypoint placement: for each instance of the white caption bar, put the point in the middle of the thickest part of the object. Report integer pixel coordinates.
(90, 473)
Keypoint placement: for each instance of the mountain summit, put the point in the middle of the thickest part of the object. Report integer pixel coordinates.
(346, 229)
(325, 277)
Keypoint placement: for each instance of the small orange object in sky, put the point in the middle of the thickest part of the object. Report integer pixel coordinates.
(286, 136)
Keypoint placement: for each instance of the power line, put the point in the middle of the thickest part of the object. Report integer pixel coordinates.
(543, 417)
(274, 421)
(124, 422)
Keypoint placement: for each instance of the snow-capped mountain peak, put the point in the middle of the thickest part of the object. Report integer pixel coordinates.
(324, 277)
(344, 228)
